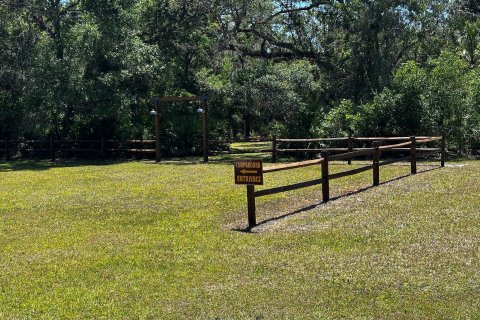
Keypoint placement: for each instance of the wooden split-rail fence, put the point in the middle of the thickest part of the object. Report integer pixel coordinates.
(349, 142)
(54, 148)
(400, 144)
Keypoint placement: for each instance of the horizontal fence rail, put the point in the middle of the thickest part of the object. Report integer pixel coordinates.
(100, 148)
(366, 139)
(312, 140)
(349, 147)
(375, 152)
(55, 147)
(292, 165)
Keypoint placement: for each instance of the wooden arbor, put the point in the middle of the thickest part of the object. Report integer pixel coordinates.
(157, 102)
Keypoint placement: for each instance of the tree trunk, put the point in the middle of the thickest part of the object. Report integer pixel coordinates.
(248, 125)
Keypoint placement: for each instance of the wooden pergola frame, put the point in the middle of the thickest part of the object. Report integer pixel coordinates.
(157, 102)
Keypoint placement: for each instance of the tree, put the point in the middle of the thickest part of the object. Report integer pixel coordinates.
(49, 16)
(357, 44)
(16, 56)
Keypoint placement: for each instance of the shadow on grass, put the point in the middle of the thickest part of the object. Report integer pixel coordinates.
(42, 165)
(316, 205)
(217, 159)
(39, 165)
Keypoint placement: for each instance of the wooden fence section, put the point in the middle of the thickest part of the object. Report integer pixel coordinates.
(277, 149)
(324, 180)
(53, 148)
(349, 143)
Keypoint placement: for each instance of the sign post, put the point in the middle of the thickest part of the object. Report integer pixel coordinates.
(249, 172)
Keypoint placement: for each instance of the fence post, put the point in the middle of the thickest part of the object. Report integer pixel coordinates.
(252, 219)
(274, 149)
(325, 179)
(376, 163)
(158, 155)
(205, 130)
(413, 155)
(350, 147)
(442, 147)
(7, 151)
(52, 148)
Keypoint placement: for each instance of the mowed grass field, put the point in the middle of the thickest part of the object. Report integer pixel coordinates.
(139, 240)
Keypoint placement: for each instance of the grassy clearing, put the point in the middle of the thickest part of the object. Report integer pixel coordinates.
(250, 146)
(145, 241)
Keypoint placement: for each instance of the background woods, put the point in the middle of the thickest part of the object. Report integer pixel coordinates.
(87, 69)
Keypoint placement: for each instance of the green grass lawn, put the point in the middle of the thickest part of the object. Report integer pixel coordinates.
(140, 240)
(250, 146)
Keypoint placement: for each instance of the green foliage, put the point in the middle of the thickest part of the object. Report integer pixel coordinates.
(16, 56)
(341, 121)
(470, 42)
(86, 69)
(399, 110)
(446, 95)
(286, 94)
(472, 127)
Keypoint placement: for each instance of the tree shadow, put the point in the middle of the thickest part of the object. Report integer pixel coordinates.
(319, 204)
(40, 165)
(212, 160)
(43, 165)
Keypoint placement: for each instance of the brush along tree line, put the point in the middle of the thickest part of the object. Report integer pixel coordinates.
(84, 69)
